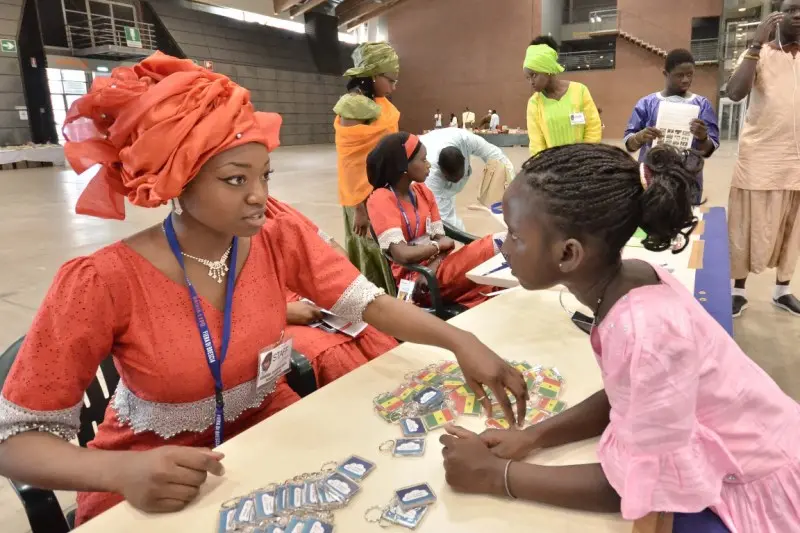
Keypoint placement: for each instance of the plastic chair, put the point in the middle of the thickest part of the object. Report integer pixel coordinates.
(41, 506)
(440, 308)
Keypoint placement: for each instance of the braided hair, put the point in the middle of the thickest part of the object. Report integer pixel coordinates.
(596, 189)
(388, 161)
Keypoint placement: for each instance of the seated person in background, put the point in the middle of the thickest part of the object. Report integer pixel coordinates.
(689, 424)
(485, 121)
(453, 120)
(405, 217)
(216, 269)
(448, 153)
(332, 355)
(678, 77)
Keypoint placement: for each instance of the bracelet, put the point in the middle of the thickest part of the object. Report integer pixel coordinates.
(757, 45)
(753, 57)
(436, 244)
(505, 480)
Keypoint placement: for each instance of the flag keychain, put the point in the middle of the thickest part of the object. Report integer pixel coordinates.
(413, 447)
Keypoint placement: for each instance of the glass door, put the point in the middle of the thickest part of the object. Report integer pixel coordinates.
(66, 86)
(731, 118)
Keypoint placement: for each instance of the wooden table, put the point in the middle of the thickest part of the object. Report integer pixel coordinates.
(338, 421)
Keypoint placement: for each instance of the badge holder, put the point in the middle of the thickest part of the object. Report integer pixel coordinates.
(411, 447)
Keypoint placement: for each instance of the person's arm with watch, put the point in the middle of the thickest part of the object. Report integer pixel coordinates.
(741, 82)
(405, 253)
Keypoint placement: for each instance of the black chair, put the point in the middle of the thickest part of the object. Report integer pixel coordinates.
(41, 506)
(440, 308)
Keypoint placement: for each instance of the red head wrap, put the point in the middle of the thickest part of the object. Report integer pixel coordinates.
(152, 127)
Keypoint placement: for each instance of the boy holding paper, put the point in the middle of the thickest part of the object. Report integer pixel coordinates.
(642, 127)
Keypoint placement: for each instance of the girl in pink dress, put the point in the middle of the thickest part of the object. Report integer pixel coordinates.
(689, 424)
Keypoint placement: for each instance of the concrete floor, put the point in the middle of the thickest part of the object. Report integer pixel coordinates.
(39, 231)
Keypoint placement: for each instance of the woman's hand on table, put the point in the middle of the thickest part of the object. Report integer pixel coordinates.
(483, 368)
(302, 313)
(512, 443)
(469, 465)
(165, 479)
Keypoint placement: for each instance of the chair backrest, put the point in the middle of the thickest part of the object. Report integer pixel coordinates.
(97, 401)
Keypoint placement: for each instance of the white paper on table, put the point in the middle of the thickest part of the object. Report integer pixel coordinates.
(338, 323)
(674, 121)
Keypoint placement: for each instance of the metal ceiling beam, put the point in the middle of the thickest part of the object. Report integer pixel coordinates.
(387, 6)
(282, 5)
(308, 6)
(353, 9)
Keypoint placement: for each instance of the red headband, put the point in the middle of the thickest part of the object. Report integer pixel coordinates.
(411, 145)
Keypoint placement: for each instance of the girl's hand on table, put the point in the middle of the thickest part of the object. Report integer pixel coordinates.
(469, 465)
(512, 443)
(484, 368)
(166, 479)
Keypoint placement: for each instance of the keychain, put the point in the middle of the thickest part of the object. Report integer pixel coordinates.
(392, 514)
(226, 521)
(413, 447)
(413, 427)
(356, 468)
(413, 496)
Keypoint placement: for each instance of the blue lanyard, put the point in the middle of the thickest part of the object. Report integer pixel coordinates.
(214, 362)
(411, 236)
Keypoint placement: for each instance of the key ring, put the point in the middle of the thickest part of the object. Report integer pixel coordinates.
(376, 515)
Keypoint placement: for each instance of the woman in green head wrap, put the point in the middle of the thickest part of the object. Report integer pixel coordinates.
(560, 111)
(363, 117)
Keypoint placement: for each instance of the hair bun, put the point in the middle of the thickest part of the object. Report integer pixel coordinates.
(666, 204)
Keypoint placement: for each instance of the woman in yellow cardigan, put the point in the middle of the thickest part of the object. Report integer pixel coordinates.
(559, 112)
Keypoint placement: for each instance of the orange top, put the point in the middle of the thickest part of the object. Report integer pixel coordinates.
(116, 302)
(353, 144)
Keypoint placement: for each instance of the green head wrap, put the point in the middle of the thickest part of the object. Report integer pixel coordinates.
(542, 59)
(372, 59)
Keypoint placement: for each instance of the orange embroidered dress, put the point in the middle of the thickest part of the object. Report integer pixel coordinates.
(332, 355)
(389, 225)
(114, 302)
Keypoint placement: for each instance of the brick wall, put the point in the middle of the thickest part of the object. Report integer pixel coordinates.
(13, 130)
(277, 67)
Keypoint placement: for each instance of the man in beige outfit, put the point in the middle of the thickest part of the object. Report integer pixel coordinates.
(764, 201)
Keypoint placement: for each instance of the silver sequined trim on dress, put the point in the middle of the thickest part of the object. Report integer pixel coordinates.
(15, 419)
(355, 299)
(389, 237)
(437, 228)
(169, 419)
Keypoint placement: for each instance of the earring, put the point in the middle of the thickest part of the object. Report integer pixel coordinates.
(561, 266)
(176, 207)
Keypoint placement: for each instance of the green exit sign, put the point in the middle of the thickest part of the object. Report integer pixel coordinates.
(133, 39)
(8, 46)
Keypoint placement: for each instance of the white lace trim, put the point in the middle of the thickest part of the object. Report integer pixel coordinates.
(355, 299)
(324, 236)
(169, 419)
(15, 419)
(437, 228)
(391, 236)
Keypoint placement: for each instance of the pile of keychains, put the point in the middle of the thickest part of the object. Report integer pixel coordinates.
(437, 394)
(303, 504)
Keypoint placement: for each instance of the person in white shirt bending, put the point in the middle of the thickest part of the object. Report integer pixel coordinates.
(449, 152)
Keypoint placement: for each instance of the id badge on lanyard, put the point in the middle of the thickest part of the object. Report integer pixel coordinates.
(274, 361)
(213, 359)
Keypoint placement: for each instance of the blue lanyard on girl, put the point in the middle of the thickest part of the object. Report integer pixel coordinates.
(411, 236)
(214, 362)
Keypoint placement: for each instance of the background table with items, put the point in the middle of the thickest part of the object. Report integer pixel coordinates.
(704, 267)
(506, 140)
(338, 421)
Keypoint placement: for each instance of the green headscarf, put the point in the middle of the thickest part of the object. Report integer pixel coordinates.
(542, 59)
(357, 107)
(372, 59)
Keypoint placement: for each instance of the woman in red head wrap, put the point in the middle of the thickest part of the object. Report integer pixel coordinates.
(193, 310)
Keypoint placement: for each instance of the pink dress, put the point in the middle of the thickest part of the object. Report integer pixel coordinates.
(694, 422)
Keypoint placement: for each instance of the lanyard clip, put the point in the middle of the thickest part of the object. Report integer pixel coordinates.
(220, 401)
